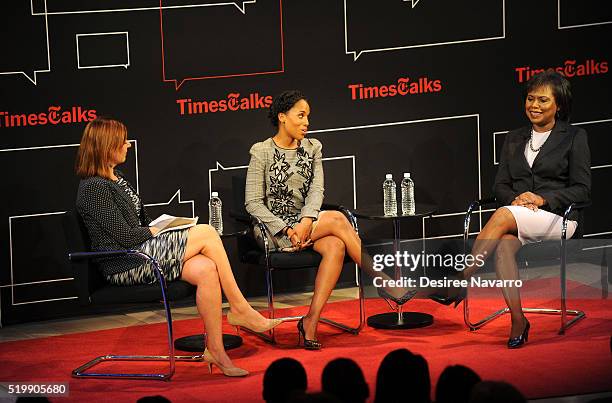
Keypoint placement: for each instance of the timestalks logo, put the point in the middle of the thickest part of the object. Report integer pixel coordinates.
(53, 116)
(233, 102)
(402, 87)
(570, 68)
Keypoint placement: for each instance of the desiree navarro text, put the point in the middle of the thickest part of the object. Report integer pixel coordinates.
(406, 282)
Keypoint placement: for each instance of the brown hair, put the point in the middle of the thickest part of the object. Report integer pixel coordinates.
(101, 137)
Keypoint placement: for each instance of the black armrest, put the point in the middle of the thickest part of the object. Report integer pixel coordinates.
(468, 215)
(76, 256)
(338, 207)
(241, 217)
(574, 206)
(481, 202)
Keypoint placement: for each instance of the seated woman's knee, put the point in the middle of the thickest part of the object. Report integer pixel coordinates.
(205, 231)
(333, 246)
(502, 216)
(338, 219)
(205, 267)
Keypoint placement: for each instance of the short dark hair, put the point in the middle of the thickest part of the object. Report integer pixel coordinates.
(343, 378)
(561, 89)
(283, 378)
(282, 103)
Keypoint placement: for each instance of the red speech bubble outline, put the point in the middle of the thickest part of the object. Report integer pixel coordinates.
(179, 83)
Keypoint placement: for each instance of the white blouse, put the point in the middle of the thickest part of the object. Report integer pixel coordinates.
(539, 138)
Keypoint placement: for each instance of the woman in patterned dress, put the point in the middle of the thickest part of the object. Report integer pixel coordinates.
(284, 189)
(115, 218)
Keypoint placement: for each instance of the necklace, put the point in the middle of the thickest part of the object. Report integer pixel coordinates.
(535, 150)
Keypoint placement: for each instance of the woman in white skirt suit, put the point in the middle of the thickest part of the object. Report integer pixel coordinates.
(544, 167)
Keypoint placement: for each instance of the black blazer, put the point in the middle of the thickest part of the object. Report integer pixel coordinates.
(111, 221)
(561, 172)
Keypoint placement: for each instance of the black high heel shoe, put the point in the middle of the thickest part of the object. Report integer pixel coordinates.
(450, 299)
(516, 342)
(308, 344)
(408, 295)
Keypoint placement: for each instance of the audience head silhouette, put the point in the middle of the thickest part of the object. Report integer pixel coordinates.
(344, 379)
(496, 392)
(153, 399)
(284, 379)
(401, 368)
(455, 384)
(316, 397)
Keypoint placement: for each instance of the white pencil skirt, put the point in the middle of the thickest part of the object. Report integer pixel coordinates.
(541, 225)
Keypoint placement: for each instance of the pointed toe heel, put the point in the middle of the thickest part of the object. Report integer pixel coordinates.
(518, 341)
(408, 295)
(227, 371)
(238, 321)
(308, 344)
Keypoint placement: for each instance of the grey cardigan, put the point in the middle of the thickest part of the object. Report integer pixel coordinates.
(284, 185)
(111, 220)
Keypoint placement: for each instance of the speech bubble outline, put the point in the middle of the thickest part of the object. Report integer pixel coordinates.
(176, 196)
(12, 218)
(357, 53)
(588, 24)
(174, 200)
(239, 5)
(33, 76)
(406, 122)
(504, 132)
(179, 82)
(127, 49)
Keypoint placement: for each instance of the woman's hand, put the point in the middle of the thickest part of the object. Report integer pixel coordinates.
(295, 240)
(530, 200)
(303, 229)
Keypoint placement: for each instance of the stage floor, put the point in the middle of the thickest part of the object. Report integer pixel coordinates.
(446, 342)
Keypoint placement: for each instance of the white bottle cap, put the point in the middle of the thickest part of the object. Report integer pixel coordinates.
(214, 194)
(389, 176)
(406, 174)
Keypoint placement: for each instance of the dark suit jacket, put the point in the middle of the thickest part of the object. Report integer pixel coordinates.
(561, 172)
(112, 222)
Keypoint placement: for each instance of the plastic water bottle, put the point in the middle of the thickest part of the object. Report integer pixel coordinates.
(407, 188)
(389, 196)
(215, 216)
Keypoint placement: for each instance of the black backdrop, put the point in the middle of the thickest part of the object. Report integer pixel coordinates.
(423, 86)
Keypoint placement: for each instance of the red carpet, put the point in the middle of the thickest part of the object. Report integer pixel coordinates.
(549, 365)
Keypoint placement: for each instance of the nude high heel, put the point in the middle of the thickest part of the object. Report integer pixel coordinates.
(227, 371)
(236, 320)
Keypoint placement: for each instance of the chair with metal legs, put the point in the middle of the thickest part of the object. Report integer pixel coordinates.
(250, 253)
(91, 291)
(563, 312)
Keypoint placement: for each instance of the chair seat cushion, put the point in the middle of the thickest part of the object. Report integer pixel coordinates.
(286, 260)
(111, 294)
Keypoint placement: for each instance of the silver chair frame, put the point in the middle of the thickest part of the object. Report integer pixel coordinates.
(170, 358)
(269, 336)
(563, 312)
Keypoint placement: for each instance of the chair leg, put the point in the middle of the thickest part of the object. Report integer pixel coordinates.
(563, 312)
(270, 336)
(362, 319)
(170, 358)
